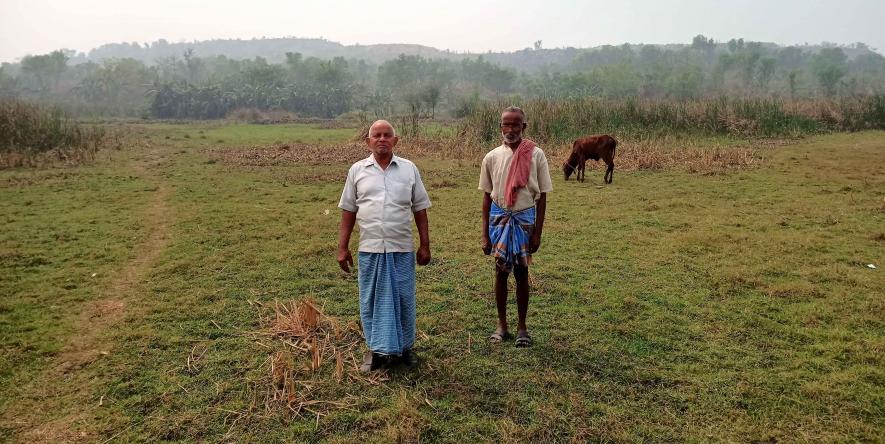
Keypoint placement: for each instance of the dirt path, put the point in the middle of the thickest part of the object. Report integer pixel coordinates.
(64, 377)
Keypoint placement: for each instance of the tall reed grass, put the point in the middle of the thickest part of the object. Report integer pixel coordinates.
(32, 134)
(564, 120)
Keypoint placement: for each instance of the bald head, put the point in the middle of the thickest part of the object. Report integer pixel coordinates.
(382, 125)
(381, 139)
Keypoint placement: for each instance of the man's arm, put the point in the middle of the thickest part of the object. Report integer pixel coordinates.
(348, 220)
(486, 209)
(540, 209)
(423, 255)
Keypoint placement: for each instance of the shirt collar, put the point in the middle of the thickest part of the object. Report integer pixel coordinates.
(371, 160)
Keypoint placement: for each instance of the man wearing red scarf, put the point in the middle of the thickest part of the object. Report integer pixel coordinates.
(515, 180)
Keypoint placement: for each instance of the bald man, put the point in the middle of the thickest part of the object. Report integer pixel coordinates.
(381, 193)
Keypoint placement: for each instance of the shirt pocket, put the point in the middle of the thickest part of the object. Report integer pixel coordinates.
(400, 193)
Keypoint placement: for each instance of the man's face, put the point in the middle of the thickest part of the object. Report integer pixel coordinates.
(512, 127)
(381, 139)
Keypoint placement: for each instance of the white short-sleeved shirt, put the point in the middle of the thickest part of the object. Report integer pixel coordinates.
(384, 201)
(493, 176)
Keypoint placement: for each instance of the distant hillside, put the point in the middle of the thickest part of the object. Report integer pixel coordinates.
(534, 60)
(272, 49)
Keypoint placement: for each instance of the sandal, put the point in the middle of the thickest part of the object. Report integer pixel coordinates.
(523, 340)
(498, 337)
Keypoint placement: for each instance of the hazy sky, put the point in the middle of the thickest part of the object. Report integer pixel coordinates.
(40, 26)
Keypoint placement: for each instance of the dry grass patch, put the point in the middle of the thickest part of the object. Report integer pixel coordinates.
(290, 153)
(35, 135)
(705, 161)
(666, 154)
(320, 154)
(314, 364)
(54, 156)
(651, 154)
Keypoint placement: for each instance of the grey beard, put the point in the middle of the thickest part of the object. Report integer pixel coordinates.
(511, 138)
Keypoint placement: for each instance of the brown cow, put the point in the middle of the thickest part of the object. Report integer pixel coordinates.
(593, 148)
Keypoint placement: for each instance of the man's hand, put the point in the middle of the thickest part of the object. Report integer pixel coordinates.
(345, 260)
(423, 256)
(534, 243)
(486, 244)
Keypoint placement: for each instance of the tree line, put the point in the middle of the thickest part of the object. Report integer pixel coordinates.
(207, 87)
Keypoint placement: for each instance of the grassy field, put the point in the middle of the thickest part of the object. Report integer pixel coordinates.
(672, 305)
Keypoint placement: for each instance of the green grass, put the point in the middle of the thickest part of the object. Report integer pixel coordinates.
(58, 233)
(668, 306)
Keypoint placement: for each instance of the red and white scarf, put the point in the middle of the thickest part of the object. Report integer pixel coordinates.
(520, 167)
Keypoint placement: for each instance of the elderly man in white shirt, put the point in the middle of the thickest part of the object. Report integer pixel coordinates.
(381, 193)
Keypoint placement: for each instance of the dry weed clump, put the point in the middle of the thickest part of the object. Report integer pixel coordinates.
(36, 135)
(313, 355)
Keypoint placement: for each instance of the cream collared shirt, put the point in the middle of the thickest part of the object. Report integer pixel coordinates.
(384, 201)
(493, 176)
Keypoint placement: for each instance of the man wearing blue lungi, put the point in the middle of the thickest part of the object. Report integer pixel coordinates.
(515, 180)
(381, 193)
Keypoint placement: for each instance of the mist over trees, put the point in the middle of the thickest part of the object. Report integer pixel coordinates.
(205, 80)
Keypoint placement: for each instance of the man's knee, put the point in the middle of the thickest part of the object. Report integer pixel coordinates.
(520, 272)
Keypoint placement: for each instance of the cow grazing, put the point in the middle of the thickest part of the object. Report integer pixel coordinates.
(591, 148)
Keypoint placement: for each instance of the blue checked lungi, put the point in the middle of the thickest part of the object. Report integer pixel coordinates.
(387, 301)
(509, 232)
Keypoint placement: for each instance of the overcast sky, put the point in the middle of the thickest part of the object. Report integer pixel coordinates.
(40, 26)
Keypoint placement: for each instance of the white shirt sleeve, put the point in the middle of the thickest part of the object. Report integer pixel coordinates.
(485, 176)
(348, 196)
(420, 199)
(545, 183)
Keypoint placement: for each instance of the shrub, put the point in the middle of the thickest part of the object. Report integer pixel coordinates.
(31, 134)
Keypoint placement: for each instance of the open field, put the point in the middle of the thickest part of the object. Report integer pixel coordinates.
(677, 304)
